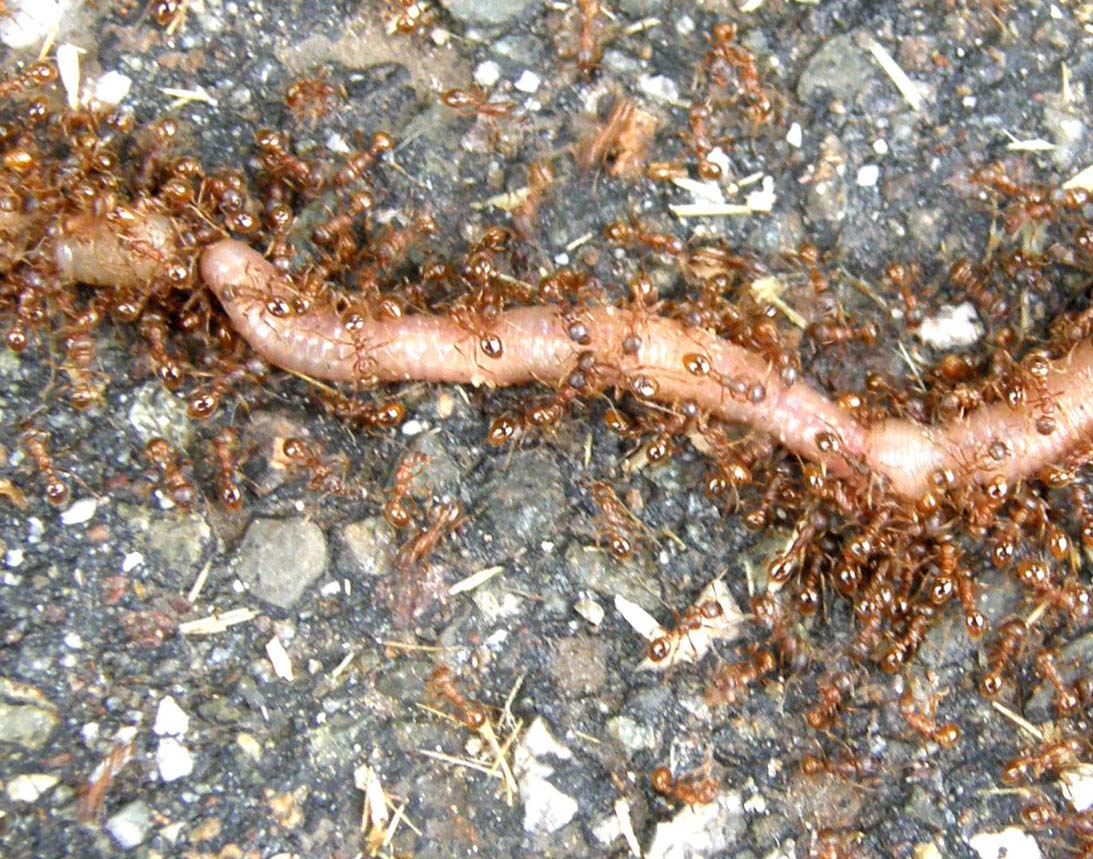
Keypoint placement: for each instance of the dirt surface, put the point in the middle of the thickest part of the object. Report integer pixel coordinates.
(227, 751)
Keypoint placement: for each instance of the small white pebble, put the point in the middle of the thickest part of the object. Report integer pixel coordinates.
(880, 146)
(970, 101)
(336, 142)
(89, 733)
(1010, 843)
(131, 561)
(29, 787)
(171, 720)
(590, 610)
(250, 746)
(540, 742)
(73, 641)
(868, 174)
(795, 136)
(685, 25)
(111, 88)
(413, 427)
(487, 73)
(951, 328)
(331, 589)
(762, 200)
(81, 511)
(14, 557)
(528, 82)
(440, 36)
(660, 87)
(173, 760)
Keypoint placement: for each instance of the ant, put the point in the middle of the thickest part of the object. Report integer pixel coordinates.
(952, 577)
(411, 16)
(360, 162)
(1067, 699)
(1044, 815)
(698, 118)
(1011, 636)
(845, 767)
(1053, 757)
(904, 278)
(622, 233)
(921, 720)
(225, 444)
(589, 51)
(832, 690)
(832, 334)
(446, 519)
(730, 682)
(177, 486)
(37, 74)
(617, 523)
(303, 457)
(282, 165)
(470, 713)
(477, 101)
(35, 443)
(395, 510)
(907, 645)
(153, 328)
(310, 99)
(692, 791)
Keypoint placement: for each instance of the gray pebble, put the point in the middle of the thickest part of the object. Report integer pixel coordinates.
(840, 69)
(487, 12)
(580, 666)
(156, 413)
(280, 558)
(26, 725)
(634, 736)
(369, 545)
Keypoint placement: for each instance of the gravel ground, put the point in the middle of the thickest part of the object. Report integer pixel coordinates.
(258, 738)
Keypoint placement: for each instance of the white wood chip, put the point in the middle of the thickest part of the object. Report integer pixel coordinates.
(216, 623)
(1036, 144)
(1082, 179)
(282, 665)
(622, 814)
(474, 580)
(910, 90)
(709, 210)
(68, 64)
(644, 624)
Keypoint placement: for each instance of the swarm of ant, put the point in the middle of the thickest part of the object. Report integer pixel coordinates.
(100, 220)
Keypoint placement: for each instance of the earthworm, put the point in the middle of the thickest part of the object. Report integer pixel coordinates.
(994, 441)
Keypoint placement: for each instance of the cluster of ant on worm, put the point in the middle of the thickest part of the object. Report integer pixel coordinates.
(898, 569)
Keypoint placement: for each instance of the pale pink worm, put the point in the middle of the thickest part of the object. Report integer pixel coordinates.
(906, 457)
